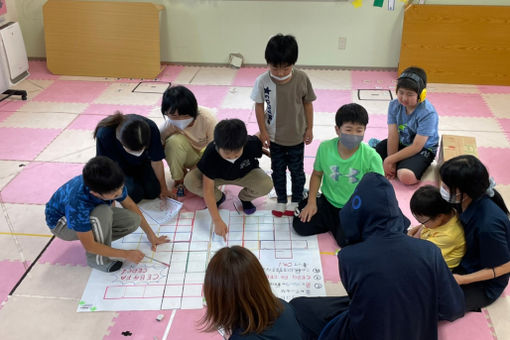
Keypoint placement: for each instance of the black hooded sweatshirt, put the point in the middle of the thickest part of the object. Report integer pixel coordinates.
(399, 286)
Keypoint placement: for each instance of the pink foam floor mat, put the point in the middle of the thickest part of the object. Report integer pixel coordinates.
(72, 91)
(185, 326)
(38, 181)
(464, 104)
(170, 73)
(38, 70)
(64, 252)
(505, 125)
(109, 109)
(208, 95)
(496, 161)
(141, 325)
(246, 76)
(471, 326)
(331, 100)
(85, 122)
(494, 89)
(243, 114)
(10, 106)
(24, 144)
(10, 273)
(374, 79)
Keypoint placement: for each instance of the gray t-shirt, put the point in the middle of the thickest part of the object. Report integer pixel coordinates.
(284, 110)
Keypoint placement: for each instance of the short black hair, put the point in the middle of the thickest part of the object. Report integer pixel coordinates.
(412, 84)
(180, 99)
(467, 174)
(230, 134)
(281, 50)
(351, 113)
(427, 201)
(102, 175)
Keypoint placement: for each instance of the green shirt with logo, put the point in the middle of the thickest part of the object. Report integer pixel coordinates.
(341, 176)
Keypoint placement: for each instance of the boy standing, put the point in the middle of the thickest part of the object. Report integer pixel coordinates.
(412, 130)
(81, 209)
(230, 159)
(287, 122)
(340, 164)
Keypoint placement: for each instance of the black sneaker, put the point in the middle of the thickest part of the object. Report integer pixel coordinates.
(221, 200)
(116, 265)
(248, 207)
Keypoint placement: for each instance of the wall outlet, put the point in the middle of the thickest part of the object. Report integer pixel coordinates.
(342, 42)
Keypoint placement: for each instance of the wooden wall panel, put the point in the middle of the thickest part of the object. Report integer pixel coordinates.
(100, 38)
(458, 44)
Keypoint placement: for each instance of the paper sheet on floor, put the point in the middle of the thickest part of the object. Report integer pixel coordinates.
(160, 211)
(291, 262)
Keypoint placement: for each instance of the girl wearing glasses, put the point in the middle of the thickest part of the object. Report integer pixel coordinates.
(439, 224)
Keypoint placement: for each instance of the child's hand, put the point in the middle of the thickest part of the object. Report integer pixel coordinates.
(264, 138)
(459, 279)
(134, 256)
(307, 213)
(167, 193)
(155, 241)
(390, 168)
(221, 229)
(308, 137)
(414, 231)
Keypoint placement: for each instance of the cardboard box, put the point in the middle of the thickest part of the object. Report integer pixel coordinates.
(453, 146)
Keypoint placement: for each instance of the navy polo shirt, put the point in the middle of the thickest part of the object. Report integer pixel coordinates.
(108, 145)
(487, 232)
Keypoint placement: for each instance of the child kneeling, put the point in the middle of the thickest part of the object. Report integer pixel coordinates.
(82, 209)
(439, 224)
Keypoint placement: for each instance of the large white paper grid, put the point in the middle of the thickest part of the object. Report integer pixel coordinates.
(291, 262)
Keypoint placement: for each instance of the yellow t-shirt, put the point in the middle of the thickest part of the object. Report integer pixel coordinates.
(450, 239)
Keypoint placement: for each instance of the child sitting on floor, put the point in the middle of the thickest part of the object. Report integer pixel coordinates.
(340, 164)
(412, 130)
(439, 224)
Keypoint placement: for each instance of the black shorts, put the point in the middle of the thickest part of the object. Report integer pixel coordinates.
(417, 163)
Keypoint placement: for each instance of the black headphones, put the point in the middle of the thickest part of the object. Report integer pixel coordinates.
(422, 91)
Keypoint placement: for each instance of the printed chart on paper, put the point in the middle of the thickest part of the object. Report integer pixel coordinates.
(291, 262)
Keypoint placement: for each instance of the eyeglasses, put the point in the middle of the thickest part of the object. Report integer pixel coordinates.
(424, 222)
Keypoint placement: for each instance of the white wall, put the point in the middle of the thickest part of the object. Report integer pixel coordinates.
(206, 31)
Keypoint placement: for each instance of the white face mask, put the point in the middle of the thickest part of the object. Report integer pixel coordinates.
(180, 124)
(233, 160)
(134, 153)
(445, 194)
(281, 78)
